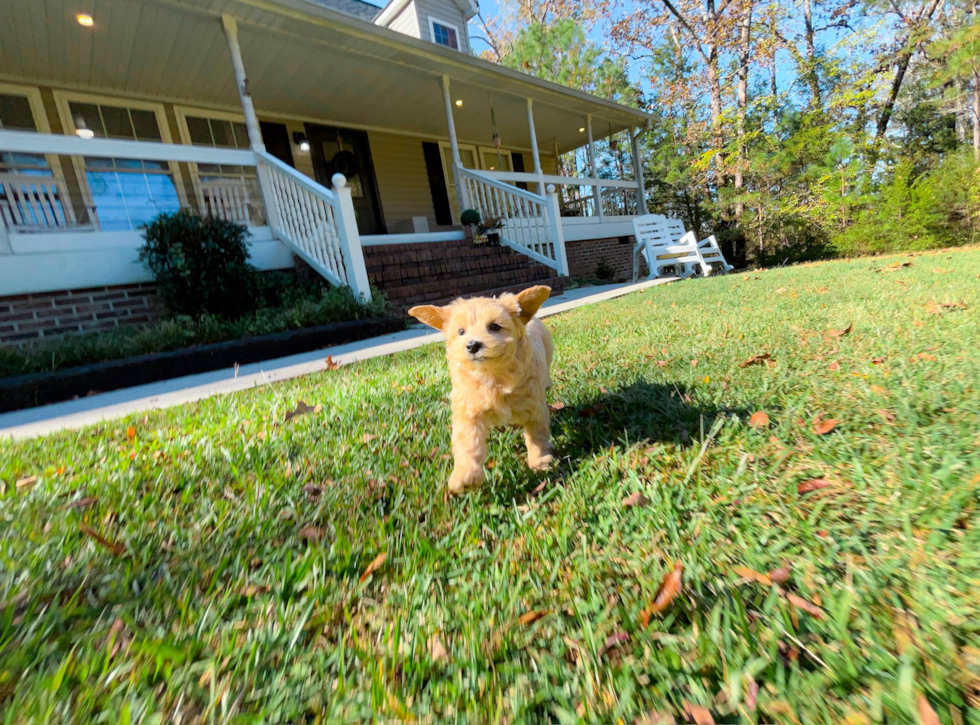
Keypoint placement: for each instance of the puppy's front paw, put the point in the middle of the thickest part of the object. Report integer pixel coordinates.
(462, 481)
(540, 462)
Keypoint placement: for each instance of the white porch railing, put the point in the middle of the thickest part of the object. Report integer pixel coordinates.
(580, 196)
(531, 223)
(315, 223)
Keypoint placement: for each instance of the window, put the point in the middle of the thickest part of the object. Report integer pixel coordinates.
(218, 133)
(17, 114)
(444, 34)
(472, 157)
(127, 193)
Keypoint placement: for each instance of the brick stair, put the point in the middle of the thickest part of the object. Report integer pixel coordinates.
(411, 274)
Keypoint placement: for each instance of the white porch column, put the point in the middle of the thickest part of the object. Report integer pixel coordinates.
(251, 122)
(593, 171)
(557, 232)
(461, 195)
(534, 147)
(641, 192)
(350, 241)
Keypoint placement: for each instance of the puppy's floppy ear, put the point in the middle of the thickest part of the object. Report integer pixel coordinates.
(530, 300)
(430, 315)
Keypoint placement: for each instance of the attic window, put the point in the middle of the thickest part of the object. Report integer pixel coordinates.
(444, 34)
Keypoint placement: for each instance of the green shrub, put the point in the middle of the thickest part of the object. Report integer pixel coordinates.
(200, 264)
(603, 270)
(321, 306)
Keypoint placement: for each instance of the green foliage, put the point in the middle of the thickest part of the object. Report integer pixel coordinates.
(238, 597)
(469, 217)
(603, 270)
(200, 264)
(299, 306)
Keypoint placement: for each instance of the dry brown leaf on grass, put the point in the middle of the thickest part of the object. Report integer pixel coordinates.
(636, 499)
(592, 411)
(80, 503)
(613, 641)
(25, 484)
(113, 546)
(330, 363)
(927, 716)
(887, 415)
(311, 533)
(437, 651)
(822, 426)
(937, 308)
(924, 357)
(780, 290)
(531, 617)
(878, 390)
(759, 419)
(670, 587)
(834, 366)
(374, 565)
(808, 607)
(751, 574)
(814, 484)
(763, 358)
(301, 409)
(556, 406)
(840, 333)
(896, 265)
(780, 575)
(878, 360)
(697, 714)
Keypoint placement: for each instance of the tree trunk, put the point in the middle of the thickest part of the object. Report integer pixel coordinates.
(812, 77)
(742, 102)
(889, 107)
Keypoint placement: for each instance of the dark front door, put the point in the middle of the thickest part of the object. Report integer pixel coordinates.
(276, 139)
(346, 151)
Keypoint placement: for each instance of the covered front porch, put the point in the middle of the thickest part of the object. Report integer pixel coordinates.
(327, 136)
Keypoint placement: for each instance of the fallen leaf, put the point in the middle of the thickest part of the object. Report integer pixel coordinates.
(759, 419)
(116, 639)
(368, 437)
(897, 265)
(301, 409)
(697, 714)
(591, 412)
(780, 575)
(636, 499)
(670, 587)
(115, 547)
(437, 650)
(878, 390)
(808, 607)
(330, 363)
(374, 565)
(80, 503)
(613, 641)
(840, 333)
(887, 415)
(927, 716)
(311, 533)
(26, 484)
(131, 432)
(814, 484)
(531, 617)
(252, 589)
(823, 426)
(694, 363)
(780, 290)
(925, 357)
(752, 575)
(655, 717)
(760, 359)
(878, 361)
(556, 406)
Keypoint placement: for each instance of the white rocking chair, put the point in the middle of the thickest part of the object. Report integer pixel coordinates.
(660, 250)
(30, 203)
(708, 249)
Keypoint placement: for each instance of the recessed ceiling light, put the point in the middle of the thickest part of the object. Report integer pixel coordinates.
(582, 130)
(459, 103)
(85, 20)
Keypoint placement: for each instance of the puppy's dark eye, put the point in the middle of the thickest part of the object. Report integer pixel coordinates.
(462, 331)
(493, 327)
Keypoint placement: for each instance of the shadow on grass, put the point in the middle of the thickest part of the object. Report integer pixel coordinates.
(639, 412)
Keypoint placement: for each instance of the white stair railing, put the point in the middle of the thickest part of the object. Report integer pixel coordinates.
(531, 222)
(316, 223)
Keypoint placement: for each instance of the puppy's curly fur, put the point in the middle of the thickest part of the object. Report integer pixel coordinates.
(499, 359)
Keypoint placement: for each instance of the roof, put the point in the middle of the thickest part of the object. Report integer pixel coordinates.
(303, 60)
(355, 8)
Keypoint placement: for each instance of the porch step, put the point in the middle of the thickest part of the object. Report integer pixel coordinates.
(436, 272)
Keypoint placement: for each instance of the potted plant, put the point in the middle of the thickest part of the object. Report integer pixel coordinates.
(470, 219)
(491, 228)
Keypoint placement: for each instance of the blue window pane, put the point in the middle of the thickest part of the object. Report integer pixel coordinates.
(445, 36)
(129, 200)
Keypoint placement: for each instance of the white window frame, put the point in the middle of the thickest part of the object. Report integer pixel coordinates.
(63, 98)
(443, 23)
(33, 95)
(477, 153)
(181, 113)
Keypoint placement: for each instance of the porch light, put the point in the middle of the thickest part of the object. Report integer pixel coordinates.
(85, 20)
(459, 103)
(82, 130)
(300, 139)
(582, 130)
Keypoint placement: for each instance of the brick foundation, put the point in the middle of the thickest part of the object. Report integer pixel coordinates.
(583, 257)
(27, 319)
(411, 274)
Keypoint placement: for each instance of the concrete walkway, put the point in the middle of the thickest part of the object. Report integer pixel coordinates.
(73, 414)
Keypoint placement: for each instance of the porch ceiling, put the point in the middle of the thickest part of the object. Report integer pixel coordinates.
(302, 60)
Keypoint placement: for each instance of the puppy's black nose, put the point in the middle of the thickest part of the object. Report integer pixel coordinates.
(473, 346)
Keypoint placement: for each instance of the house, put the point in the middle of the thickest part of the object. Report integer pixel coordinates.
(344, 135)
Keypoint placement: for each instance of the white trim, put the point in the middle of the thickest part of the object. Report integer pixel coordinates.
(377, 240)
(29, 142)
(445, 24)
(582, 229)
(81, 260)
(33, 95)
(391, 11)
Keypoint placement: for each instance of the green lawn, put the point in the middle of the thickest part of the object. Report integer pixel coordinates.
(228, 586)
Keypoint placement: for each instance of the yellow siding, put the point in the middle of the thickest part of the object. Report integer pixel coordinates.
(402, 180)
